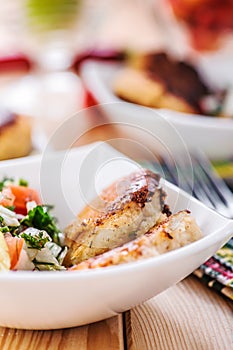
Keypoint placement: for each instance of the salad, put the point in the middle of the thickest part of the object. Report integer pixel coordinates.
(29, 236)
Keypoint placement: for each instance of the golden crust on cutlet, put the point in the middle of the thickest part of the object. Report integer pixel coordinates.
(123, 211)
(138, 187)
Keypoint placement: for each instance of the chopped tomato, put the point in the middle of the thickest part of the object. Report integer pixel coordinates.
(7, 197)
(15, 246)
(22, 196)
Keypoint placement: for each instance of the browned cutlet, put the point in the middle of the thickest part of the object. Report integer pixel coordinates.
(159, 80)
(177, 231)
(126, 209)
(179, 78)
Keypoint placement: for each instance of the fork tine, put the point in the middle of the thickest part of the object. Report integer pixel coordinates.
(218, 191)
(203, 182)
(188, 179)
(179, 172)
(219, 185)
(200, 179)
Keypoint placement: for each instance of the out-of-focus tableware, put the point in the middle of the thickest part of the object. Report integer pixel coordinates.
(213, 135)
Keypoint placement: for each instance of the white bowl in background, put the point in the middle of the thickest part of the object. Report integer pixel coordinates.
(212, 135)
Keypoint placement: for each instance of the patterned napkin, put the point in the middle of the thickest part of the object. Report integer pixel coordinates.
(217, 272)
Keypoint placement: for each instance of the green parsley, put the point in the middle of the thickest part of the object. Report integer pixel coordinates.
(40, 218)
(11, 207)
(36, 241)
(4, 229)
(4, 181)
(23, 182)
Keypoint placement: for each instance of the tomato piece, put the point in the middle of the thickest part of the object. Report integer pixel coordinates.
(22, 196)
(15, 246)
(7, 197)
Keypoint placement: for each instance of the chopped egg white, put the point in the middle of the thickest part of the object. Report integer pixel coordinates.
(9, 217)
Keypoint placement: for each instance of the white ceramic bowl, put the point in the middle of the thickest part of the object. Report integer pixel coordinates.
(212, 135)
(50, 300)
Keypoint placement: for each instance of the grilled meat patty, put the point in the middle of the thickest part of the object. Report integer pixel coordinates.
(125, 210)
(177, 231)
(159, 80)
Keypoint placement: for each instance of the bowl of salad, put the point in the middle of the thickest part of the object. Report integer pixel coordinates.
(32, 238)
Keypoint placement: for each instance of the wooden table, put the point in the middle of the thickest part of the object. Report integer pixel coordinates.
(186, 316)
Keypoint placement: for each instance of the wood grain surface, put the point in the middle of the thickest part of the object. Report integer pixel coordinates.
(188, 316)
(104, 335)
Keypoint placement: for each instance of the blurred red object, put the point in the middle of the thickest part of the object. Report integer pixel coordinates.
(97, 54)
(16, 62)
(89, 99)
(208, 20)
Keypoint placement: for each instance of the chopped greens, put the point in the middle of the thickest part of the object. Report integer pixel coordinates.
(4, 181)
(36, 262)
(4, 229)
(23, 182)
(40, 218)
(22, 216)
(9, 180)
(11, 207)
(36, 241)
(47, 265)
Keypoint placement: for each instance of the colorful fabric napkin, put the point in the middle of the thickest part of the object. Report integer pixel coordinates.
(217, 272)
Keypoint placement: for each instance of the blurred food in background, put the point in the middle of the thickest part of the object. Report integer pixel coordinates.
(158, 80)
(208, 21)
(36, 53)
(15, 135)
(47, 15)
(44, 42)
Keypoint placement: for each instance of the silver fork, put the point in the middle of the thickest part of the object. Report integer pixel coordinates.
(197, 178)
